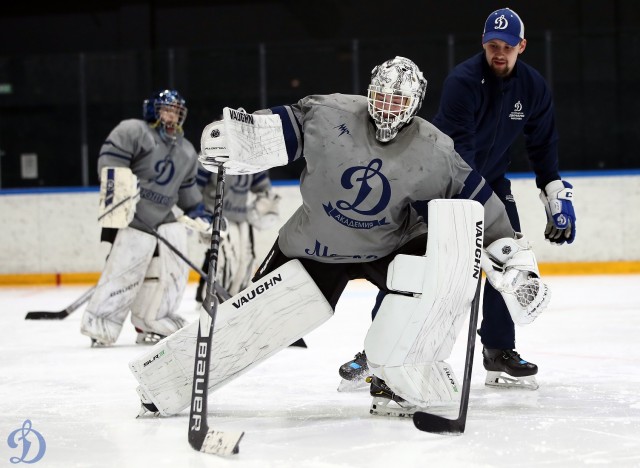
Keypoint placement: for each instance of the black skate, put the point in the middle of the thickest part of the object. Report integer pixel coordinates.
(354, 374)
(147, 407)
(387, 403)
(506, 369)
(298, 344)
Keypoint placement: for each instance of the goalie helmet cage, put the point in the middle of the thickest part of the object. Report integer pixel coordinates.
(201, 437)
(436, 424)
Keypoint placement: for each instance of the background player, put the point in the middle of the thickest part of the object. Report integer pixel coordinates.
(140, 274)
(236, 256)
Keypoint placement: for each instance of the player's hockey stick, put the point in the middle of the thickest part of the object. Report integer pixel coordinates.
(220, 291)
(201, 437)
(114, 207)
(438, 424)
(43, 315)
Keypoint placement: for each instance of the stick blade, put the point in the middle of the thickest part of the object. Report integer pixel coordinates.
(221, 443)
(42, 315)
(437, 424)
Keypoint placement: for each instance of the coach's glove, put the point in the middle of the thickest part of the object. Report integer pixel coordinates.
(557, 198)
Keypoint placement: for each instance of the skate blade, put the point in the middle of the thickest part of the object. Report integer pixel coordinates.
(99, 344)
(353, 385)
(146, 413)
(386, 407)
(501, 380)
(148, 338)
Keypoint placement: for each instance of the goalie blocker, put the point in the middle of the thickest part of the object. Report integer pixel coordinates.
(119, 195)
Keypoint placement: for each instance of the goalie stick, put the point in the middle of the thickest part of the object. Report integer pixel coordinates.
(201, 437)
(221, 292)
(435, 424)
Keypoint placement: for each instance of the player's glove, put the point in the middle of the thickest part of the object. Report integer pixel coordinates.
(199, 211)
(264, 213)
(557, 198)
(199, 220)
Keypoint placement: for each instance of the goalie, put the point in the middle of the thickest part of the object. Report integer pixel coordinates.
(367, 160)
(146, 168)
(249, 203)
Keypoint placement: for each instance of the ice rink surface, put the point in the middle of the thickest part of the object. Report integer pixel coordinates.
(82, 401)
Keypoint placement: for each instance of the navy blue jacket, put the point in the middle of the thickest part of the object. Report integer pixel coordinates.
(484, 115)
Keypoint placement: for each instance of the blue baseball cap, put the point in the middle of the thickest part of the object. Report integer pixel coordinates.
(504, 24)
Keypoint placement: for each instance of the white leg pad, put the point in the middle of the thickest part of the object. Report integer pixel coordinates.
(118, 286)
(251, 326)
(154, 309)
(411, 336)
(236, 263)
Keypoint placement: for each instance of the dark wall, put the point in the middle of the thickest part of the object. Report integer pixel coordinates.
(75, 72)
(101, 26)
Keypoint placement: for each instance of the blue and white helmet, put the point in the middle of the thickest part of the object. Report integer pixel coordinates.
(395, 95)
(168, 99)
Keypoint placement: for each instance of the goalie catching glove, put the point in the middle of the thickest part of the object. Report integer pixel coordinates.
(557, 198)
(512, 269)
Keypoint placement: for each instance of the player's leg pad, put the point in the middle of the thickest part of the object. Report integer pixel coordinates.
(154, 310)
(118, 286)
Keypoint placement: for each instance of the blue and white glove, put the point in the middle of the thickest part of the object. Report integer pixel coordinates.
(557, 198)
(198, 220)
(199, 211)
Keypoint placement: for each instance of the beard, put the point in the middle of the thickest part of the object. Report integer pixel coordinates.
(501, 71)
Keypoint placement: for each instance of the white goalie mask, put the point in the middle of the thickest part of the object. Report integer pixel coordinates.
(395, 95)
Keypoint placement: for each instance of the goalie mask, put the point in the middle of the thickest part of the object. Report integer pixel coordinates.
(395, 95)
(167, 111)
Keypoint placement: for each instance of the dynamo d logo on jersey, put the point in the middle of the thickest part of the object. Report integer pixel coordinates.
(371, 194)
(165, 170)
(30, 441)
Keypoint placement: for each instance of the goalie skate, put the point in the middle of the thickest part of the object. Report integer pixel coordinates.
(387, 403)
(354, 374)
(95, 343)
(147, 338)
(147, 408)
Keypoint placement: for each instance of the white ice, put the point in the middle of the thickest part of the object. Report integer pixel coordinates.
(83, 401)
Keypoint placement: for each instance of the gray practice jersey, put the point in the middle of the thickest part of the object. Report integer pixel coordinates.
(357, 191)
(166, 170)
(236, 191)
